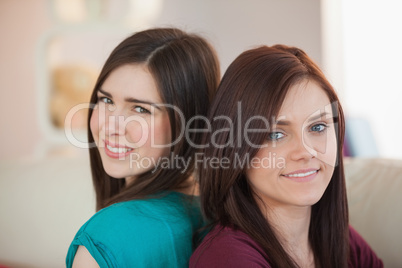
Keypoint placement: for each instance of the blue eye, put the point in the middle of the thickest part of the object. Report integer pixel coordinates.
(141, 110)
(318, 128)
(273, 136)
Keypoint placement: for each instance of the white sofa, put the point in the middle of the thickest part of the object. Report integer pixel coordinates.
(375, 205)
(44, 202)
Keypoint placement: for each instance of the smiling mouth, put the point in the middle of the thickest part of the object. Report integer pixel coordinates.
(118, 150)
(301, 174)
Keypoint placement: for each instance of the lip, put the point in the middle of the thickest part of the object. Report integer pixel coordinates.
(297, 176)
(116, 155)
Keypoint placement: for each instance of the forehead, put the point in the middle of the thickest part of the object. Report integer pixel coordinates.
(132, 80)
(303, 100)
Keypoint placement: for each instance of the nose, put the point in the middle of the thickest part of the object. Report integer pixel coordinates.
(114, 125)
(301, 150)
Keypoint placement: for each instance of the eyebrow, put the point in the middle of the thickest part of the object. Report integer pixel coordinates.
(107, 94)
(282, 123)
(131, 100)
(318, 116)
(311, 119)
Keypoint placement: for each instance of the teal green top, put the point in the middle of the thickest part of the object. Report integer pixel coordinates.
(155, 232)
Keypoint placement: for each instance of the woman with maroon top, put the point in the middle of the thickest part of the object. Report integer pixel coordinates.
(271, 177)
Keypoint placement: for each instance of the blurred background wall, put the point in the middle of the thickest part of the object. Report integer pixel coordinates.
(21, 24)
(30, 29)
(355, 42)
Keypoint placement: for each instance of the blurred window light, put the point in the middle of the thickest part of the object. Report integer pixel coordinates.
(140, 13)
(70, 10)
(144, 12)
(372, 68)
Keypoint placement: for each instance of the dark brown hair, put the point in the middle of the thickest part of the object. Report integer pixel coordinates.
(186, 70)
(259, 79)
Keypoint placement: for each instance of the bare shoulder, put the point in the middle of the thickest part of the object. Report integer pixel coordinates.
(84, 259)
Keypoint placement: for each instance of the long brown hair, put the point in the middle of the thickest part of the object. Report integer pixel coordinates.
(259, 80)
(186, 70)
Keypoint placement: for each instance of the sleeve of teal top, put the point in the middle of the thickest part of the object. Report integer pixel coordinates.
(123, 236)
(98, 251)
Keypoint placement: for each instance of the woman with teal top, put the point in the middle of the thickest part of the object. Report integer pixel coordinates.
(148, 100)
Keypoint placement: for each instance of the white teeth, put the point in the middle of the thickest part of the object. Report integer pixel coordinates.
(118, 150)
(298, 175)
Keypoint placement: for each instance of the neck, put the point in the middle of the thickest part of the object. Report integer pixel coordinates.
(129, 180)
(189, 187)
(291, 225)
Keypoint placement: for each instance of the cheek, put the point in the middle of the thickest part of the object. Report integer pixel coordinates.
(138, 132)
(94, 124)
(328, 153)
(163, 131)
(266, 165)
(257, 175)
(147, 132)
(263, 181)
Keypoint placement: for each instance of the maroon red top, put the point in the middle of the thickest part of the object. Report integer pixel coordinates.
(232, 248)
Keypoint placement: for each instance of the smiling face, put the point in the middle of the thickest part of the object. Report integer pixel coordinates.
(128, 126)
(303, 143)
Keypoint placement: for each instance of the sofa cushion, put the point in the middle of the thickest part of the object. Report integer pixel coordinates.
(374, 188)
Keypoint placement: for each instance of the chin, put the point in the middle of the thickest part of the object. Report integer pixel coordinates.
(116, 172)
(116, 175)
(310, 200)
